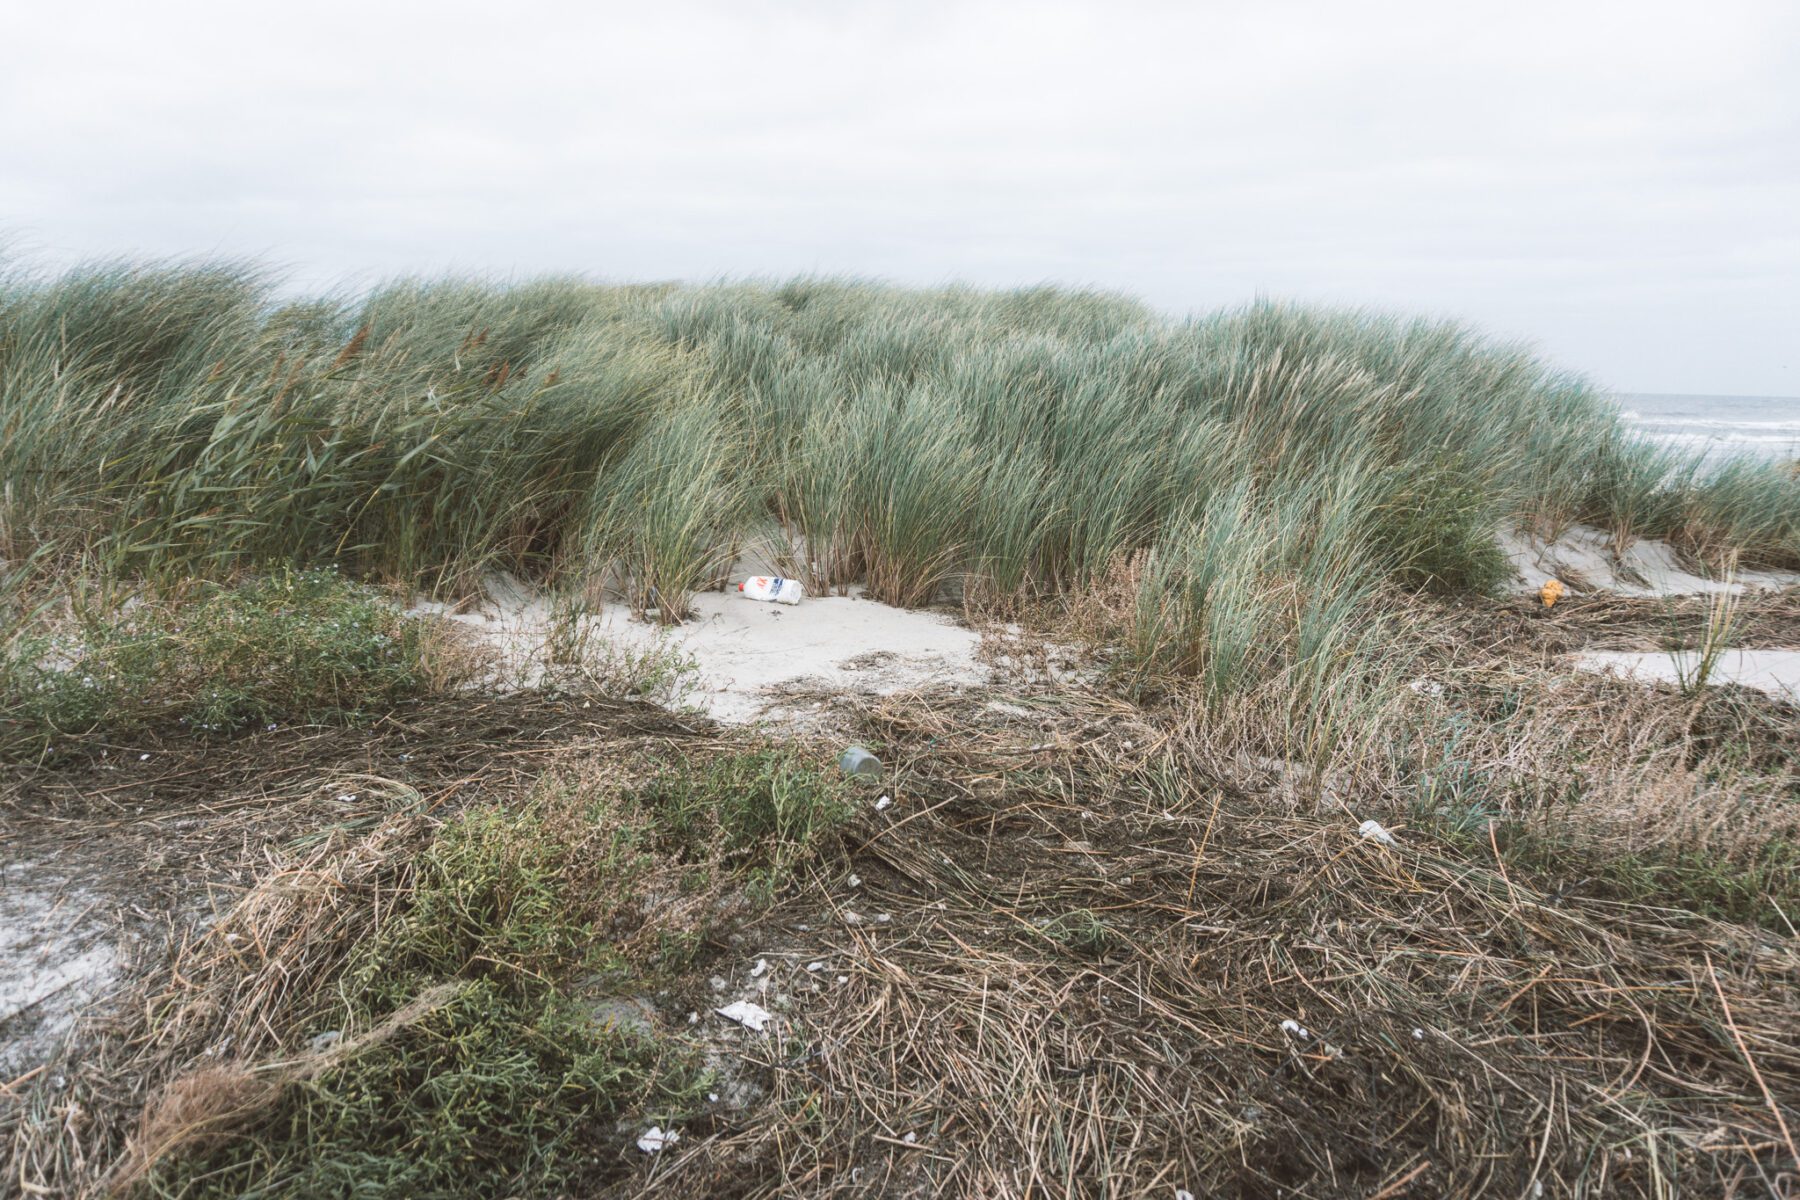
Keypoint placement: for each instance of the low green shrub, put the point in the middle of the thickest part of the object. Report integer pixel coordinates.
(292, 646)
(761, 810)
(509, 1087)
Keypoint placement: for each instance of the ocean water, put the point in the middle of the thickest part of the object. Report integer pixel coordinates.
(1766, 426)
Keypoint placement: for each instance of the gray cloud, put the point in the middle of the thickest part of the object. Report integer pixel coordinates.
(1616, 182)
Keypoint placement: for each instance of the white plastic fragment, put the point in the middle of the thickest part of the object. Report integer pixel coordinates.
(1418, 1035)
(1427, 687)
(657, 1138)
(816, 966)
(762, 964)
(693, 1018)
(882, 803)
(143, 758)
(753, 1017)
(712, 1097)
(855, 881)
(843, 979)
(1375, 831)
(1183, 1194)
(910, 1138)
(1295, 1028)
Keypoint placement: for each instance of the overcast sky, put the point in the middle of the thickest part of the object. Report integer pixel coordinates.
(1618, 183)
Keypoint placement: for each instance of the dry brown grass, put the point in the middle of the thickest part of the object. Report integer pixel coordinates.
(1076, 934)
(1470, 1034)
(191, 1048)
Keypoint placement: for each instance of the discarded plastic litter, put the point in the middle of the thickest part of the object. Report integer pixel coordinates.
(1375, 831)
(883, 803)
(753, 1017)
(859, 763)
(1295, 1028)
(657, 1138)
(1551, 592)
(773, 588)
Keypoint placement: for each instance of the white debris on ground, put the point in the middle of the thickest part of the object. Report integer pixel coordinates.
(1295, 1029)
(1375, 831)
(753, 1017)
(748, 657)
(1776, 672)
(1584, 559)
(656, 1138)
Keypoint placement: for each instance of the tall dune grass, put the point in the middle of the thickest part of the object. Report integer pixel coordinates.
(998, 445)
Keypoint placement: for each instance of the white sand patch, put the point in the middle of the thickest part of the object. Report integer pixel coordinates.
(1584, 559)
(1776, 672)
(749, 656)
(58, 955)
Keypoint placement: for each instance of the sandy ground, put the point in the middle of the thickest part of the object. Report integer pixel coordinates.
(1776, 672)
(59, 953)
(1584, 559)
(750, 660)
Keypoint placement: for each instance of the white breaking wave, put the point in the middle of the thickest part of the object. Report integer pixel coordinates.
(1716, 426)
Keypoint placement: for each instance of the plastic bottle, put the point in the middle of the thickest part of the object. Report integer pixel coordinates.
(774, 589)
(858, 763)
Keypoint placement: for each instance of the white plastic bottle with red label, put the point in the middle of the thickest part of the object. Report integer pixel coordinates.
(773, 588)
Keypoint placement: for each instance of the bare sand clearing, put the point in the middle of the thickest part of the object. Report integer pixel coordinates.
(1776, 672)
(59, 952)
(1585, 560)
(751, 659)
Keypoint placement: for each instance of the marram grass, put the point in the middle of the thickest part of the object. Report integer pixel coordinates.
(184, 420)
